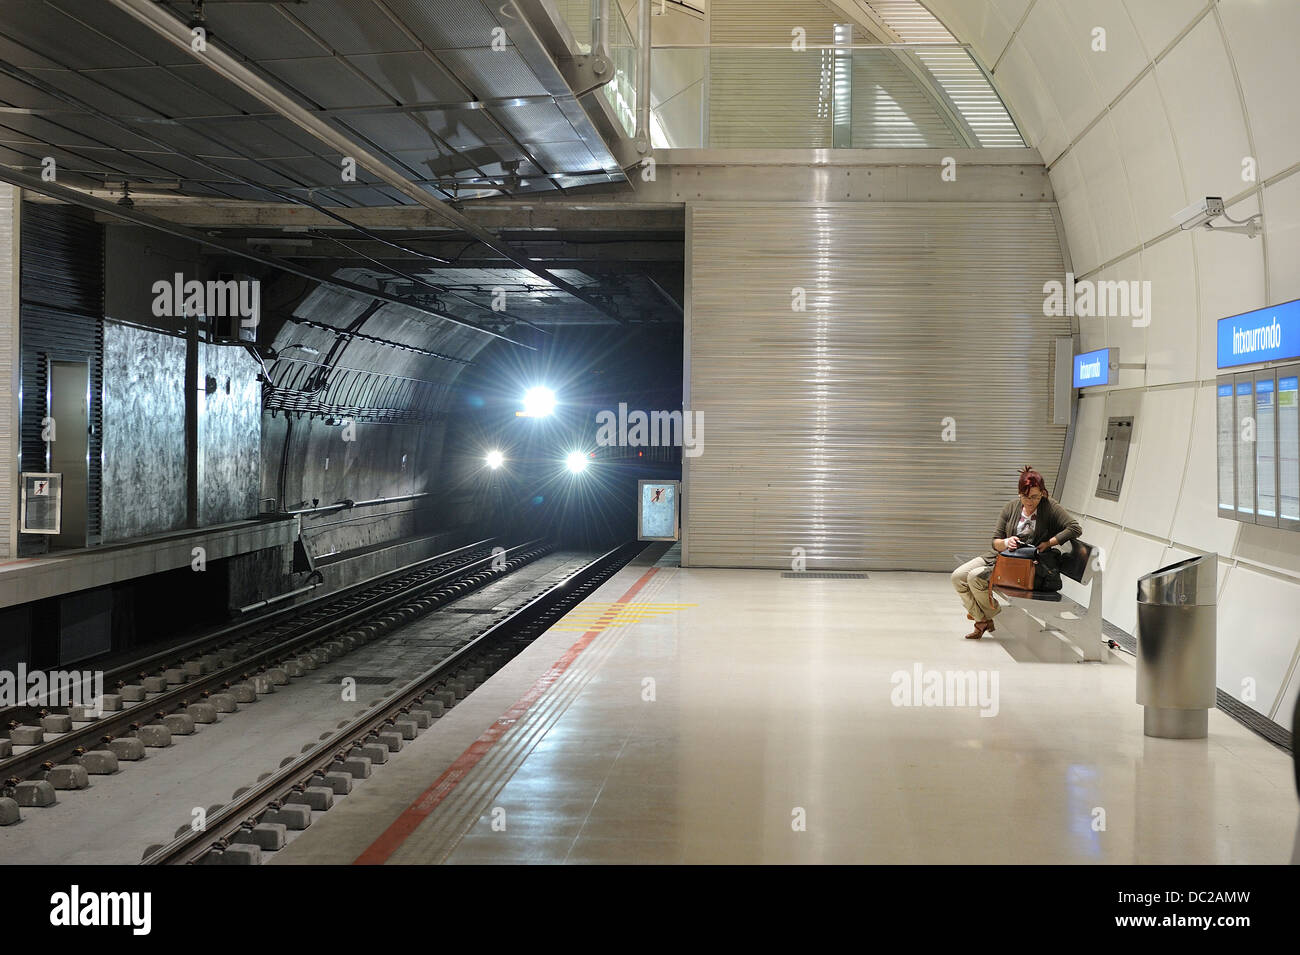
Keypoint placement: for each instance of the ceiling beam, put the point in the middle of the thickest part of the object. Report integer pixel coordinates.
(55, 191)
(167, 26)
(577, 215)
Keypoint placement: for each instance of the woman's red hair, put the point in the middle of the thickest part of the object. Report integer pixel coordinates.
(1029, 478)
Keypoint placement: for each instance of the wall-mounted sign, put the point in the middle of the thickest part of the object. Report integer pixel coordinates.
(42, 503)
(1096, 367)
(1266, 334)
(657, 514)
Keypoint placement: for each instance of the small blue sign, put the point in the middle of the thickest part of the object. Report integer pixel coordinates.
(1225, 391)
(1093, 368)
(1266, 334)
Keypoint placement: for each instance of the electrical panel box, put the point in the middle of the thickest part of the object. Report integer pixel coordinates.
(1119, 435)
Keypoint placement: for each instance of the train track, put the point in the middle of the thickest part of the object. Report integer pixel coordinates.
(138, 668)
(230, 833)
(242, 662)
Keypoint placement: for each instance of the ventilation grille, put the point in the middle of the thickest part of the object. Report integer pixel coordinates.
(972, 95)
(822, 575)
(911, 22)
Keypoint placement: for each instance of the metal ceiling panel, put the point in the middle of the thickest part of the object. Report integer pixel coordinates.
(17, 53)
(134, 36)
(446, 24)
(200, 77)
(536, 122)
(258, 31)
(570, 157)
(75, 84)
(159, 90)
(493, 74)
(462, 128)
(351, 26)
(263, 139)
(45, 29)
(326, 81)
(391, 131)
(410, 78)
(38, 129)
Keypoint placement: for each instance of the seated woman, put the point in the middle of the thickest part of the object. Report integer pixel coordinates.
(1032, 520)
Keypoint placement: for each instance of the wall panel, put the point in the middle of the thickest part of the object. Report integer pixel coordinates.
(823, 427)
(144, 432)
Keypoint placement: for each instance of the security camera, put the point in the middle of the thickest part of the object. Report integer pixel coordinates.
(1200, 213)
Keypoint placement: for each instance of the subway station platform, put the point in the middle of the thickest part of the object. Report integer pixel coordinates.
(738, 716)
(25, 579)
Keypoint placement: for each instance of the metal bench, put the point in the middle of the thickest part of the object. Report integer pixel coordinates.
(1079, 623)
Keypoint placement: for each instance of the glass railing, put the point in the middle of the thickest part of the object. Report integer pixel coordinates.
(855, 97)
(858, 96)
(581, 17)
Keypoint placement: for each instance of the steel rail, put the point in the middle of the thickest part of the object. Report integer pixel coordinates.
(181, 652)
(117, 723)
(243, 812)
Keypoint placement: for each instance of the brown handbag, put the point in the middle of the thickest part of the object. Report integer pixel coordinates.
(1013, 572)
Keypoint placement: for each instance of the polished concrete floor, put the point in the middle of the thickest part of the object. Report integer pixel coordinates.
(739, 716)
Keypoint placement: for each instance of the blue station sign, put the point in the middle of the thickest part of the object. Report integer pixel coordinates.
(1094, 368)
(1266, 334)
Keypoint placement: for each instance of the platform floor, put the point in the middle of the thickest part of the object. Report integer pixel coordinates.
(736, 716)
(24, 579)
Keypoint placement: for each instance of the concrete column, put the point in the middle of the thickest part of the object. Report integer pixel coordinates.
(10, 209)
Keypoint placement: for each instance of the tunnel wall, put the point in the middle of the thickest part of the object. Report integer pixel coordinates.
(1185, 98)
(384, 460)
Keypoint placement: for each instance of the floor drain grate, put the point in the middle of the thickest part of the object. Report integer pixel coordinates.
(823, 575)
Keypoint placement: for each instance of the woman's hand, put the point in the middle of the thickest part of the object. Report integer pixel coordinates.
(1046, 544)
(1011, 543)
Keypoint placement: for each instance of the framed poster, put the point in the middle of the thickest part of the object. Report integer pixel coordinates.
(42, 503)
(658, 510)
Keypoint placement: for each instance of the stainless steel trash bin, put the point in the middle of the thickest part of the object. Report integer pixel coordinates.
(1176, 647)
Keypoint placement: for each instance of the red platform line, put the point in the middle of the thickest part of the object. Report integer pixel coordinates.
(396, 834)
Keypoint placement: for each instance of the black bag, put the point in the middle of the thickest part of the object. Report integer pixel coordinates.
(1047, 572)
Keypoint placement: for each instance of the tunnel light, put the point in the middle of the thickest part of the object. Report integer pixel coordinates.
(538, 402)
(576, 462)
(495, 459)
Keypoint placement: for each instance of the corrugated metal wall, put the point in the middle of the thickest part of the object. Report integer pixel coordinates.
(62, 320)
(824, 428)
(9, 212)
